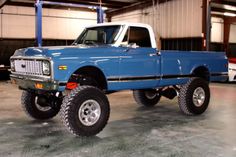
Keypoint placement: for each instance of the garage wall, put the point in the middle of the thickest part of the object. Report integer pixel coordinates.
(232, 36)
(217, 30)
(217, 36)
(60, 27)
(172, 19)
(19, 22)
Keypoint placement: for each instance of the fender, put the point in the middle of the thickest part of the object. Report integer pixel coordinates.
(199, 66)
(85, 65)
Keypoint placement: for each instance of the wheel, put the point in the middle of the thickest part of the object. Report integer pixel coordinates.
(85, 111)
(147, 97)
(194, 96)
(38, 107)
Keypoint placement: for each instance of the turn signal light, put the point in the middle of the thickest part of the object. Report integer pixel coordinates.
(39, 85)
(62, 67)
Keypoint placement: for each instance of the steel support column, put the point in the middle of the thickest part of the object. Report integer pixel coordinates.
(38, 15)
(208, 25)
(226, 36)
(204, 24)
(100, 15)
(38, 22)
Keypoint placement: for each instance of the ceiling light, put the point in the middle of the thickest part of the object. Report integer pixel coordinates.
(229, 14)
(94, 7)
(104, 8)
(229, 7)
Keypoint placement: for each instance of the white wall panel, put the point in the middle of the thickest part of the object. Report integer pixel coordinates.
(20, 27)
(19, 22)
(133, 16)
(173, 19)
(217, 30)
(232, 36)
(63, 28)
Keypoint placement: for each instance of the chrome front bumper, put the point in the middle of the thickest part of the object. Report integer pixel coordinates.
(25, 82)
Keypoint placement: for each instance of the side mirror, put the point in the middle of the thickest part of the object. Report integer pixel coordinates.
(129, 46)
(132, 45)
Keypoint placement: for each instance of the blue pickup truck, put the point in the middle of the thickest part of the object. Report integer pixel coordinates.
(106, 58)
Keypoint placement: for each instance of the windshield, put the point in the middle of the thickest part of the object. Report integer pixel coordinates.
(98, 35)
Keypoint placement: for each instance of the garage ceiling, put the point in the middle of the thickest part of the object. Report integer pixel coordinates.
(115, 7)
(223, 7)
(111, 4)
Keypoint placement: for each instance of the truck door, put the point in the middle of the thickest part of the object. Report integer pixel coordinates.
(139, 65)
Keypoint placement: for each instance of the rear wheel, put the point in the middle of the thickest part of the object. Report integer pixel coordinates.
(85, 111)
(194, 96)
(147, 98)
(40, 107)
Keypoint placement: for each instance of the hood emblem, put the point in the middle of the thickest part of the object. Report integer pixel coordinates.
(23, 65)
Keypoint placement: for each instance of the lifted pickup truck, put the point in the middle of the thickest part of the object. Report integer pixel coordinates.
(107, 58)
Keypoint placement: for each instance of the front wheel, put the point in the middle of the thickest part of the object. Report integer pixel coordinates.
(40, 106)
(85, 111)
(194, 96)
(149, 97)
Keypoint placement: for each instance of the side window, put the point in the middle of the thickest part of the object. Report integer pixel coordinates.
(138, 35)
(125, 39)
(92, 35)
(98, 36)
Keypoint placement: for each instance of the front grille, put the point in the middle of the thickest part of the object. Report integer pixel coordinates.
(28, 67)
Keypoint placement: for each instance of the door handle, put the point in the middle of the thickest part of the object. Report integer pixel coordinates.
(152, 54)
(126, 50)
(158, 53)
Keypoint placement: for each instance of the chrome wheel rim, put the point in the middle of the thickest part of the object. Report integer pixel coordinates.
(150, 94)
(199, 96)
(89, 112)
(41, 108)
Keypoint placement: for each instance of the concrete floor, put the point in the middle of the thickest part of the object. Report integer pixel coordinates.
(132, 130)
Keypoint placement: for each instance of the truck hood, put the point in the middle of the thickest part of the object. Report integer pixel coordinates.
(59, 51)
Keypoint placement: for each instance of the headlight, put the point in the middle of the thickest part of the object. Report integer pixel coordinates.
(12, 65)
(46, 67)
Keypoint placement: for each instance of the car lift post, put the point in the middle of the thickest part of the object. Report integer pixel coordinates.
(38, 13)
(100, 14)
(208, 25)
(38, 22)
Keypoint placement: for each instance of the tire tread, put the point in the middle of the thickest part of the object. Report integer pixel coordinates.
(65, 111)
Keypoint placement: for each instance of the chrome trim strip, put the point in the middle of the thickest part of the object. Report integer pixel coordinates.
(148, 78)
(176, 76)
(219, 74)
(132, 80)
(232, 69)
(30, 57)
(27, 75)
(32, 78)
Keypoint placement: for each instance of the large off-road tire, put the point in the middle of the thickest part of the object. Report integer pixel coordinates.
(146, 97)
(36, 111)
(85, 111)
(194, 96)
